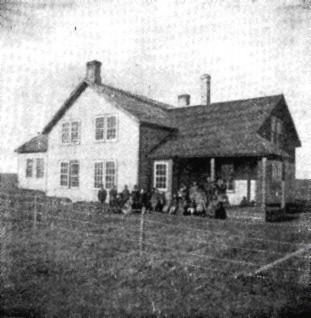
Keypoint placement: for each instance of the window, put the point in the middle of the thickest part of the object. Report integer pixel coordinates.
(276, 130)
(105, 174)
(110, 174)
(277, 170)
(106, 128)
(65, 133)
(40, 168)
(98, 176)
(75, 132)
(70, 132)
(227, 174)
(29, 168)
(74, 174)
(69, 174)
(111, 127)
(160, 176)
(99, 128)
(230, 184)
(64, 173)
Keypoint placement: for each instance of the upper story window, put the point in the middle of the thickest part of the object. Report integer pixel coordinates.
(276, 130)
(71, 132)
(106, 128)
(111, 127)
(277, 170)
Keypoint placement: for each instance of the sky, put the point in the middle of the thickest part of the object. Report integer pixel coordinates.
(158, 48)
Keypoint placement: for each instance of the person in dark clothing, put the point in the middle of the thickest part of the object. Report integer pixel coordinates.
(102, 195)
(157, 201)
(144, 199)
(182, 198)
(221, 189)
(209, 189)
(173, 206)
(136, 205)
(125, 194)
(220, 212)
(113, 193)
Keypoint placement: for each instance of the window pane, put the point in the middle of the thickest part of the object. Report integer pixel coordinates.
(111, 127)
(160, 176)
(98, 175)
(110, 174)
(65, 133)
(40, 168)
(99, 128)
(75, 132)
(64, 174)
(74, 174)
(29, 168)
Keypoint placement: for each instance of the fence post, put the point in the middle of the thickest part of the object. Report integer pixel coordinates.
(141, 232)
(7, 204)
(35, 212)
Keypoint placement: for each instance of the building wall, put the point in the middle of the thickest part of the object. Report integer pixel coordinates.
(32, 182)
(149, 138)
(124, 150)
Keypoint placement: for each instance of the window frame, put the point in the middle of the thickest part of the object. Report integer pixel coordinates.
(100, 184)
(277, 171)
(233, 183)
(29, 168)
(41, 160)
(230, 168)
(166, 164)
(70, 123)
(104, 172)
(105, 139)
(69, 174)
(277, 127)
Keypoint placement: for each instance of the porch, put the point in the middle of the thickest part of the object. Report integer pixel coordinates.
(253, 180)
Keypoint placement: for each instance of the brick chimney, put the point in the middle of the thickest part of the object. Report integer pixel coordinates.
(205, 89)
(183, 100)
(93, 72)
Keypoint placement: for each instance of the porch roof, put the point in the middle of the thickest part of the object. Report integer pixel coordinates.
(226, 129)
(36, 144)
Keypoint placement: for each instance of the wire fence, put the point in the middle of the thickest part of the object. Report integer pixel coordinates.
(149, 236)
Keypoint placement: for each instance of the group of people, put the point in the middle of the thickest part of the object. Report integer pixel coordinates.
(206, 199)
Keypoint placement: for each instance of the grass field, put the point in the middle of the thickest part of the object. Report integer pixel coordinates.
(80, 264)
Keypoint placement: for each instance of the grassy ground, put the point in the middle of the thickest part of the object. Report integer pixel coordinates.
(90, 265)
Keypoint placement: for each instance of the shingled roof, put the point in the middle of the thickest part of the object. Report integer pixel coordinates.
(36, 144)
(220, 129)
(146, 110)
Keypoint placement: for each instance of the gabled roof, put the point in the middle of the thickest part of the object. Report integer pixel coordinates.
(146, 110)
(220, 129)
(36, 144)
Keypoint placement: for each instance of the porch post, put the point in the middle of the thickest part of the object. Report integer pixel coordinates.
(264, 182)
(283, 185)
(170, 179)
(212, 162)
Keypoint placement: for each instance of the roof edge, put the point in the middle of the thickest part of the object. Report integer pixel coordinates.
(66, 105)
